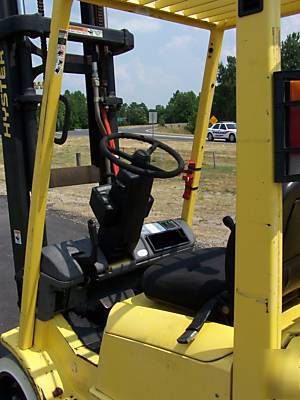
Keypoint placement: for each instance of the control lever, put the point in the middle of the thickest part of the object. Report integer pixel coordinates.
(99, 267)
(201, 317)
(229, 223)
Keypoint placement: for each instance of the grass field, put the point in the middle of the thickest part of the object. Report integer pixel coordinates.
(172, 129)
(216, 196)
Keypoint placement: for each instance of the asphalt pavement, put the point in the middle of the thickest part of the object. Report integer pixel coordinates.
(59, 228)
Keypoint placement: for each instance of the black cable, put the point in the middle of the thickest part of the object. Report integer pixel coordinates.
(41, 11)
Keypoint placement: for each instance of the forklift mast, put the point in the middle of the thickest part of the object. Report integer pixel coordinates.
(19, 103)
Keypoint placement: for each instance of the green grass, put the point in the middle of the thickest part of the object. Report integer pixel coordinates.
(227, 169)
(177, 130)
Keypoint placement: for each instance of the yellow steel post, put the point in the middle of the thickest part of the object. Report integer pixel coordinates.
(52, 87)
(203, 116)
(258, 289)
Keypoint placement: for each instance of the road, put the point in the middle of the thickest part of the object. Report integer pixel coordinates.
(58, 229)
(143, 130)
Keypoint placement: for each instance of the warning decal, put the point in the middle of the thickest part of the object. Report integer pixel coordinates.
(18, 237)
(86, 31)
(61, 51)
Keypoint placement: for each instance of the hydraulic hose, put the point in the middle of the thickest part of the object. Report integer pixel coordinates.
(96, 92)
(109, 132)
(96, 85)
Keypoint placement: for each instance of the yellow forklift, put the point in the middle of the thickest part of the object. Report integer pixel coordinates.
(135, 311)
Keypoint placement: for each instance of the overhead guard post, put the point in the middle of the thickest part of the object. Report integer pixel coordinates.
(46, 134)
(203, 116)
(258, 265)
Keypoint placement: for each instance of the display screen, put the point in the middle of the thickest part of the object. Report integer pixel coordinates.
(167, 239)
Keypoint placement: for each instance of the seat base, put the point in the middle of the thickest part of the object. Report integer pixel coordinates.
(187, 279)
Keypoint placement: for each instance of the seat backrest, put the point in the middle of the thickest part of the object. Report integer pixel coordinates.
(291, 243)
(291, 220)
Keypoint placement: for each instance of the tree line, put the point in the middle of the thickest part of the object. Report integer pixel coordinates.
(182, 106)
(224, 104)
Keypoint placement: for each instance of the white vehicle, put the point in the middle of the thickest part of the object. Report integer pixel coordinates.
(222, 130)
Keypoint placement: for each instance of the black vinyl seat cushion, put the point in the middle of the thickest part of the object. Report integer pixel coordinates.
(188, 279)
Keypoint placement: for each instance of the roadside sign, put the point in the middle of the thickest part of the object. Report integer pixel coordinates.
(213, 120)
(152, 117)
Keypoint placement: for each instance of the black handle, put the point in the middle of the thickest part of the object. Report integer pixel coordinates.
(64, 136)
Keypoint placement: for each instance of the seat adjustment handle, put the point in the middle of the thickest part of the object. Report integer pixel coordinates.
(201, 317)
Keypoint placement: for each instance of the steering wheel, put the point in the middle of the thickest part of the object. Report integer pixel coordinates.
(140, 160)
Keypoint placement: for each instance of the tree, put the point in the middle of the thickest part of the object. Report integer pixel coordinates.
(160, 114)
(79, 116)
(191, 125)
(137, 114)
(122, 114)
(290, 52)
(224, 104)
(180, 107)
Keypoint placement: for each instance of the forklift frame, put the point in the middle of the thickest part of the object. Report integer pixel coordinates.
(20, 102)
(258, 293)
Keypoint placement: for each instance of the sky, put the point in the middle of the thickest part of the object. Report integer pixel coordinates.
(167, 56)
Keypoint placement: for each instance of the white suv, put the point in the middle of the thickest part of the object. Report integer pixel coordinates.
(222, 130)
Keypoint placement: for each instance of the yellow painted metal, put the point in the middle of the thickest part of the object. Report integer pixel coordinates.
(139, 357)
(38, 364)
(141, 316)
(152, 12)
(207, 14)
(158, 374)
(58, 359)
(195, 5)
(142, 335)
(203, 116)
(140, 338)
(52, 87)
(290, 317)
(203, 13)
(162, 4)
(258, 292)
(222, 19)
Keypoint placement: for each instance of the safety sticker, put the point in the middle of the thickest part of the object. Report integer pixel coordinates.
(85, 31)
(61, 51)
(18, 236)
(153, 228)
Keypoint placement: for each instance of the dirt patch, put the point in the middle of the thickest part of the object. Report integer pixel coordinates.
(216, 196)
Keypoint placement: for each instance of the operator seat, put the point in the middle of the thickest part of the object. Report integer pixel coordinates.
(191, 279)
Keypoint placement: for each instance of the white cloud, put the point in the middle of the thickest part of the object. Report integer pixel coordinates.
(138, 24)
(138, 81)
(177, 43)
(290, 25)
